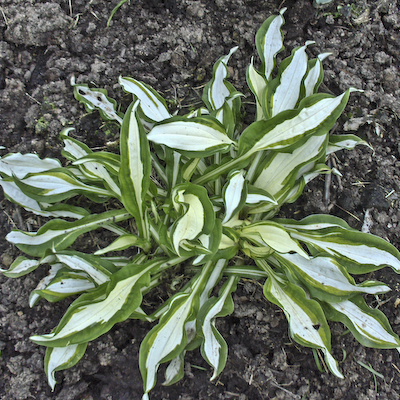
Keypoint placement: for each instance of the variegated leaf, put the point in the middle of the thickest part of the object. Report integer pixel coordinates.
(73, 149)
(317, 114)
(314, 222)
(92, 169)
(173, 168)
(216, 91)
(135, 169)
(283, 93)
(214, 348)
(369, 326)
(228, 114)
(245, 271)
(234, 194)
(96, 99)
(110, 160)
(348, 142)
(326, 279)
(359, 252)
(272, 235)
(279, 170)
(34, 297)
(196, 214)
(96, 268)
(64, 284)
(269, 42)
(315, 75)
(257, 84)
(60, 358)
(256, 195)
(57, 185)
(20, 267)
(15, 195)
(103, 307)
(58, 234)
(152, 104)
(307, 322)
(168, 338)
(174, 371)
(20, 165)
(211, 242)
(195, 137)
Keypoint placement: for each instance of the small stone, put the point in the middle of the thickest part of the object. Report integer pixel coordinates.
(98, 67)
(166, 56)
(6, 260)
(330, 20)
(382, 58)
(196, 9)
(91, 27)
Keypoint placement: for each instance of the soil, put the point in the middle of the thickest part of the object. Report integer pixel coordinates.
(172, 45)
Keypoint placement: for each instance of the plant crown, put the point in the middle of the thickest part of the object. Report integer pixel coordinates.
(197, 192)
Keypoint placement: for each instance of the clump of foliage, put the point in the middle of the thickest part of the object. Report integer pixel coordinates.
(200, 193)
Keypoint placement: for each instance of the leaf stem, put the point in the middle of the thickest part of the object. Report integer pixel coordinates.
(214, 174)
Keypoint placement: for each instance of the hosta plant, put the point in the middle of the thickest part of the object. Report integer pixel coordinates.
(199, 193)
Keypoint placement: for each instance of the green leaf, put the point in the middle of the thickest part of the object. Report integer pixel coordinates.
(316, 115)
(152, 104)
(195, 137)
(369, 326)
(114, 10)
(307, 322)
(124, 242)
(96, 99)
(60, 358)
(135, 167)
(58, 234)
(269, 42)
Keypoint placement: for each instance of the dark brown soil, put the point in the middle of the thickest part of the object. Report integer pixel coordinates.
(172, 45)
